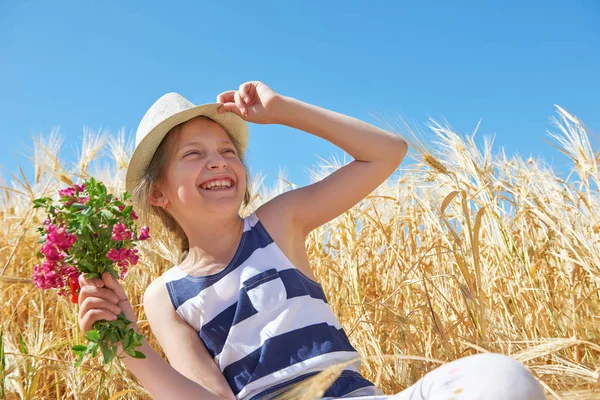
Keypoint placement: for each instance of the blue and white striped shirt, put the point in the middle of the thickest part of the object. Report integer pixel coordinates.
(265, 323)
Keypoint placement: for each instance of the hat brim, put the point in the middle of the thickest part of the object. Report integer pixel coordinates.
(235, 126)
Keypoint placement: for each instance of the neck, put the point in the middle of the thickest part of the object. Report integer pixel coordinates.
(214, 240)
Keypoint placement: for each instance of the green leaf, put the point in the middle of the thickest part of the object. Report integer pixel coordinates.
(107, 214)
(79, 348)
(138, 354)
(112, 336)
(107, 354)
(127, 341)
(95, 350)
(22, 346)
(79, 360)
(119, 323)
(93, 335)
(2, 359)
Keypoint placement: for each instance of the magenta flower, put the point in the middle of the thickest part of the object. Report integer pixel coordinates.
(144, 233)
(120, 232)
(68, 192)
(123, 255)
(70, 271)
(51, 252)
(80, 188)
(45, 276)
(58, 236)
(113, 255)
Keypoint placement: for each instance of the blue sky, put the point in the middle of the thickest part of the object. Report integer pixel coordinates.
(102, 64)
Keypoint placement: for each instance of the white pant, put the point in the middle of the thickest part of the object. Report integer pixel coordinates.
(486, 376)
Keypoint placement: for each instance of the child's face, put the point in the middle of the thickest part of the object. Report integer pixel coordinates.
(203, 151)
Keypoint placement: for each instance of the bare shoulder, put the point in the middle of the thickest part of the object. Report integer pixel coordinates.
(285, 232)
(158, 306)
(156, 293)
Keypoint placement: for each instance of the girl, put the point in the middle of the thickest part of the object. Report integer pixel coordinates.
(242, 315)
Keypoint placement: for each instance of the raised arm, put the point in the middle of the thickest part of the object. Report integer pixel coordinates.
(377, 153)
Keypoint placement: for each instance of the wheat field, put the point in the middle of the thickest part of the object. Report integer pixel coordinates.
(463, 250)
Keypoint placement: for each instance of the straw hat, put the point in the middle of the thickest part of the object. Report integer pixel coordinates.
(167, 112)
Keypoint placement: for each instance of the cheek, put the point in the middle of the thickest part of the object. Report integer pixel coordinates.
(240, 172)
(179, 180)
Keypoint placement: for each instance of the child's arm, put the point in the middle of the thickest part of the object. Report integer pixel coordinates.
(98, 300)
(181, 343)
(162, 380)
(377, 153)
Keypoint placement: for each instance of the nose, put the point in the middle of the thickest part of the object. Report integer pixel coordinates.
(216, 161)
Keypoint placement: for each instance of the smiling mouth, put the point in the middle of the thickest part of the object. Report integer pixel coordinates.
(218, 185)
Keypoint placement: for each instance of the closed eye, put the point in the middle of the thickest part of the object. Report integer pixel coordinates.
(191, 152)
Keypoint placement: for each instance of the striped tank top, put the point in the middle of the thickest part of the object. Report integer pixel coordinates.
(265, 323)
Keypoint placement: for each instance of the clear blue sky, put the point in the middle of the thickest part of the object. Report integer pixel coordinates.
(103, 63)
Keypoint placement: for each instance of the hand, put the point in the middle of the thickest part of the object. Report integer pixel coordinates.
(253, 101)
(102, 299)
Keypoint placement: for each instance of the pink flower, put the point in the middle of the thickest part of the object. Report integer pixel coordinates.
(70, 271)
(68, 192)
(80, 188)
(45, 276)
(124, 258)
(113, 255)
(144, 233)
(120, 232)
(134, 258)
(59, 237)
(51, 252)
(84, 200)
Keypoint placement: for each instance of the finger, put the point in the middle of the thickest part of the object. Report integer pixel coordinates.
(92, 291)
(83, 281)
(240, 103)
(96, 303)
(92, 316)
(111, 283)
(225, 97)
(245, 91)
(230, 107)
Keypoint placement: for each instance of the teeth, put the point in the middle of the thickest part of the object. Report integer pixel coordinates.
(218, 184)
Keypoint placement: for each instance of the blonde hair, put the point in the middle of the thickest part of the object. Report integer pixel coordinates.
(156, 172)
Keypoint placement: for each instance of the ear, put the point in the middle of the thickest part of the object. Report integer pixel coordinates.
(157, 198)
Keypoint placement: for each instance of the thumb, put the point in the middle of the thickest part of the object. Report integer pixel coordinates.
(111, 283)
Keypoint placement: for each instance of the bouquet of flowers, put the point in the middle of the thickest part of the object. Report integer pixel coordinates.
(89, 231)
